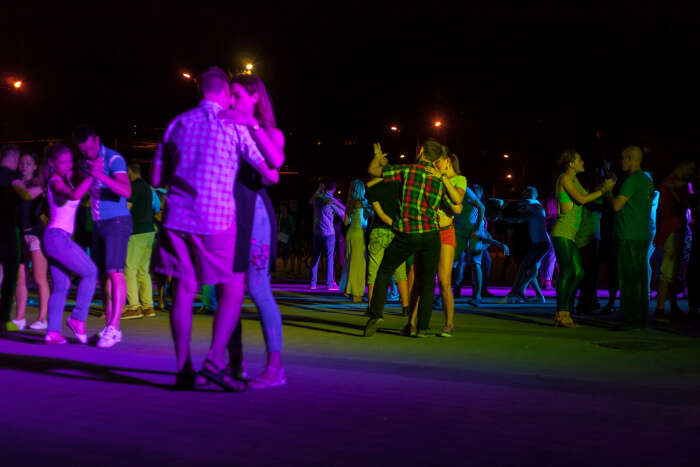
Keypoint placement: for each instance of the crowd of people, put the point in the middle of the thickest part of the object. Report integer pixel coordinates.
(207, 220)
(422, 222)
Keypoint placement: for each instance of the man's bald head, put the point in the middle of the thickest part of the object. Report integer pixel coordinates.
(631, 158)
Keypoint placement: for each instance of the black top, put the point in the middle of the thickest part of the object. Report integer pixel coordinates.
(142, 209)
(387, 195)
(29, 214)
(8, 199)
(246, 190)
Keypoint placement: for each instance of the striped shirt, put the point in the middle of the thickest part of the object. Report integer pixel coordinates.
(420, 198)
(199, 156)
(104, 202)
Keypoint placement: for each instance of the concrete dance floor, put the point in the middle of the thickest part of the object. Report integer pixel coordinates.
(507, 389)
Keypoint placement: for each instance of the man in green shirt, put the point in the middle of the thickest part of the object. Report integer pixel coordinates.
(633, 207)
(139, 290)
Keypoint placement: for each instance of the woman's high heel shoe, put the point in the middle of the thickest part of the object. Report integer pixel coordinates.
(563, 318)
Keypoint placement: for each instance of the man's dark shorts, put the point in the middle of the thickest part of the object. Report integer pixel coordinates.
(110, 239)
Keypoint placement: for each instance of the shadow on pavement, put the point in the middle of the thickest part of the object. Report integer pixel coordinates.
(80, 370)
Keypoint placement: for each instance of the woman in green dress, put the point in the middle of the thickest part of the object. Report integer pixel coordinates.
(356, 214)
(571, 197)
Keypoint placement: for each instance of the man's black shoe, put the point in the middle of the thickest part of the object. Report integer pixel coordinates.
(372, 326)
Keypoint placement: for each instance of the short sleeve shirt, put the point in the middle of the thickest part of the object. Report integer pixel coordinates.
(199, 159)
(632, 221)
(105, 203)
(387, 195)
(142, 206)
(420, 197)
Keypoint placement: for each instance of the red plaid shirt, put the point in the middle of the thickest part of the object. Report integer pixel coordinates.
(421, 194)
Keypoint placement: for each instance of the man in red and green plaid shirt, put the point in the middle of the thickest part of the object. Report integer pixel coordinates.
(416, 228)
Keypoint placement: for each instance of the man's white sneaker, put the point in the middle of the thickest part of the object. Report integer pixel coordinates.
(110, 336)
(20, 323)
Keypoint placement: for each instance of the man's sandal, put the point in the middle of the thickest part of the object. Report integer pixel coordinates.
(219, 377)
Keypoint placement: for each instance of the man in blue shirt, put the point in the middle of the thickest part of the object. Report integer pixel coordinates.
(326, 206)
(113, 224)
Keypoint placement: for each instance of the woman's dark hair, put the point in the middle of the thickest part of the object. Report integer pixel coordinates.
(356, 195)
(36, 176)
(454, 159)
(263, 108)
(50, 155)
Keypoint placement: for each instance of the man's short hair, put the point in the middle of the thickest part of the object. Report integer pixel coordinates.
(8, 150)
(530, 192)
(82, 133)
(135, 167)
(633, 152)
(213, 80)
(432, 150)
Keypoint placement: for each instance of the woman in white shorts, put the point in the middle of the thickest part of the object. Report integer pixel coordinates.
(31, 208)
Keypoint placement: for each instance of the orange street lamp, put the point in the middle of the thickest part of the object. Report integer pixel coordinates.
(249, 68)
(17, 84)
(509, 176)
(437, 124)
(506, 156)
(187, 76)
(402, 156)
(394, 128)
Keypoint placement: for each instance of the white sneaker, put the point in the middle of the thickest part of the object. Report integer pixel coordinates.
(20, 323)
(39, 325)
(110, 336)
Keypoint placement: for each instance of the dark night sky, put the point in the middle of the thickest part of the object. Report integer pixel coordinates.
(503, 79)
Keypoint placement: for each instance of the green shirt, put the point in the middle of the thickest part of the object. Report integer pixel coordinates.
(632, 221)
(142, 209)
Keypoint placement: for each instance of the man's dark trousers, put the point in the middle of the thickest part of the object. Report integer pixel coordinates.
(426, 247)
(634, 292)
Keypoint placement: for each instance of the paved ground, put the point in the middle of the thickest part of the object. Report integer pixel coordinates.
(508, 389)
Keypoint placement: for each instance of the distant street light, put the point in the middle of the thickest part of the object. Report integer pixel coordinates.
(187, 76)
(402, 156)
(506, 156)
(17, 84)
(249, 68)
(437, 123)
(394, 128)
(509, 176)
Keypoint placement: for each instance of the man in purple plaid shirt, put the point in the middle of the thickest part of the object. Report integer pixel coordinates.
(198, 160)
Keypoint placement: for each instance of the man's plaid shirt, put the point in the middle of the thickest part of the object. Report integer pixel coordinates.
(200, 162)
(421, 194)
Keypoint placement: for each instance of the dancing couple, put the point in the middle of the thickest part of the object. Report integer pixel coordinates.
(228, 144)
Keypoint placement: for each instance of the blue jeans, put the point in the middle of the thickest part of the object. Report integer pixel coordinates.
(326, 245)
(65, 258)
(258, 279)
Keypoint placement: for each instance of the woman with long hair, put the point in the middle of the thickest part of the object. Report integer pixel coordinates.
(571, 197)
(256, 235)
(356, 214)
(65, 256)
(30, 209)
(449, 166)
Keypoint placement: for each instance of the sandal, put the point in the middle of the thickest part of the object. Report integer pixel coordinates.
(269, 378)
(447, 331)
(219, 377)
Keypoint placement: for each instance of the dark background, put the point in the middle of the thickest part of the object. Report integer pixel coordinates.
(503, 79)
